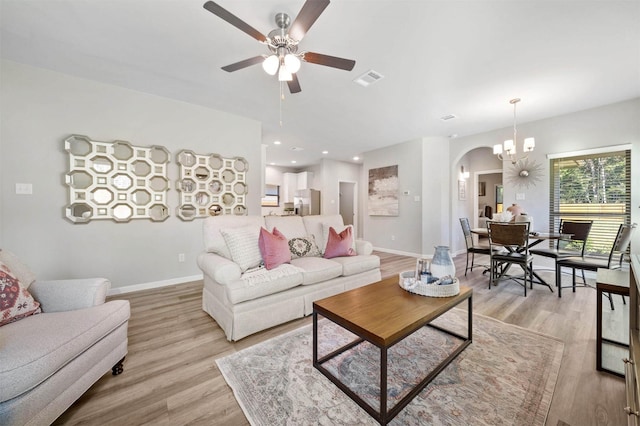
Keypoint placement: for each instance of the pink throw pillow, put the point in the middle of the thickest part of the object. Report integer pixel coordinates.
(339, 244)
(274, 248)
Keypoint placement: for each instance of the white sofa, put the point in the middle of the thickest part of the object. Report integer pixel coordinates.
(245, 303)
(48, 360)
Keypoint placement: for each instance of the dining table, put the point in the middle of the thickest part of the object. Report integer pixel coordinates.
(535, 238)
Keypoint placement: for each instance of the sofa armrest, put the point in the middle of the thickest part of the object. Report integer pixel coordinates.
(70, 295)
(364, 247)
(220, 269)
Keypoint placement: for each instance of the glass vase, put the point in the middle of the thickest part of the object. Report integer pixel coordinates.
(442, 263)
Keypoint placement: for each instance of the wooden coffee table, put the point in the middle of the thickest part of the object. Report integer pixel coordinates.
(383, 314)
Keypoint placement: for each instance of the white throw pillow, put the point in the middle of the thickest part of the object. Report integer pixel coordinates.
(338, 229)
(243, 246)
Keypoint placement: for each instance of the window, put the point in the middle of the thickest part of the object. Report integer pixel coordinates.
(592, 187)
(271, 196)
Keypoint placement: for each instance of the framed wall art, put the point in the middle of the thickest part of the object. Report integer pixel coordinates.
(462, 190)
(211, 185)
(383, 191)
(116, 180)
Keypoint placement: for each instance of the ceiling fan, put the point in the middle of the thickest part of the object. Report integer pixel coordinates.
(283, 43)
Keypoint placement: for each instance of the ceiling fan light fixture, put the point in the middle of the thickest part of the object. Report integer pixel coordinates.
(292, 63)
(284, 74)
(271, 64)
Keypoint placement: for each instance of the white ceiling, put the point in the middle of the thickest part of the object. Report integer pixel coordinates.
(467, 58)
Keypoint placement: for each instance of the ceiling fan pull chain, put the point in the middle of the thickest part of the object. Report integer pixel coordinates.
(281, 99)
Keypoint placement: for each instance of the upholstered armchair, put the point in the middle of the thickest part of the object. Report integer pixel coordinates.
(50, 358)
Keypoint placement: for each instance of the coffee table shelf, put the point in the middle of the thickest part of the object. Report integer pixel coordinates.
(383, 314)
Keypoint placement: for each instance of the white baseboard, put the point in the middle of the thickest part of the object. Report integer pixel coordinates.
(152, 285)
(422, 256)
(399, 252)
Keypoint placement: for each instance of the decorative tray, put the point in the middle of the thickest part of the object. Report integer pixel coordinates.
(443, 287)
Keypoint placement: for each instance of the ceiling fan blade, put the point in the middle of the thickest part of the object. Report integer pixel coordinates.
(310, 11)
(329, 61)
(243, 64)
(220, 12)
(294, 84)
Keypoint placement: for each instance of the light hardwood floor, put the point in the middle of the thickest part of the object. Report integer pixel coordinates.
(170, 376)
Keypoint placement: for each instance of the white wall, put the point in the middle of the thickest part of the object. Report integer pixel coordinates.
(40, 109)
(423, 218)
(332, 172)
(609, 125)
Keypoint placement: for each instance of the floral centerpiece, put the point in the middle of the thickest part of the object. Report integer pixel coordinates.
(504, 216)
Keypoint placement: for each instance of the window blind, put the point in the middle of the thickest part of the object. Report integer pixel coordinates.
(592, 187)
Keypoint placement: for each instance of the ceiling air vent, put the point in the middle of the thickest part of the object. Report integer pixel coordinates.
(448, 117)
(368, 78)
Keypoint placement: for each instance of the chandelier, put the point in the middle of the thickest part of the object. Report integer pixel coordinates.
(507, 151)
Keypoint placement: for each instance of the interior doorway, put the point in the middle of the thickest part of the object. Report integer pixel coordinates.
(488, 193)
(347, 203)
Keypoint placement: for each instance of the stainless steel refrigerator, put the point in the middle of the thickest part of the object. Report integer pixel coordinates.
(307, 202)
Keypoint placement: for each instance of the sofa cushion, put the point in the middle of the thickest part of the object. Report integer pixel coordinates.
(315, 226)
(35, 348)
(352, 265)
(317, 269)
(340, 244)
(290, 226)
(303, 247)
(15, 300)
(243, 246)
(262, 282)
(214, 241)
(274, 248)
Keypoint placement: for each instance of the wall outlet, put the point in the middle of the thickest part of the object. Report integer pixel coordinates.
(180, 257)
(520, 196)
(393, 238)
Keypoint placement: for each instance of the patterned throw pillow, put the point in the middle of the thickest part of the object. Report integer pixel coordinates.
(243, 246)
(339, 244)
(303, 247)
(15, 300)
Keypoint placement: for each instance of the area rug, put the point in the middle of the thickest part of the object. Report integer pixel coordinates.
(505, 377)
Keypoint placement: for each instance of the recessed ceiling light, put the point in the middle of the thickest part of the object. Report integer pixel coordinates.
(273, 164)
(356, 158)
(453, 136)
(277, 142)
(325, 152)
(293, 161)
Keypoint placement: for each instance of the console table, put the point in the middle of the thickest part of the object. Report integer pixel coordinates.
(631, 364)
(612, 281)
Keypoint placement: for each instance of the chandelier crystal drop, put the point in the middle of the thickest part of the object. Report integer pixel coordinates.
(508, 150)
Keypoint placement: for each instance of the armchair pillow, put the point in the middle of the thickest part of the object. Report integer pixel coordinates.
(243, 246)
(15, 300)
(19, 269)
(339, 244)
(274, 248)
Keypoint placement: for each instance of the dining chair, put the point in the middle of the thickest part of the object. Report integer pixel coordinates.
(572, 243)
(591, 263)
(472, 249)
(509, 244)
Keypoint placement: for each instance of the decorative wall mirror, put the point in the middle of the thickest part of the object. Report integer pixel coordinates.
(211, 185)
(116, 180)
